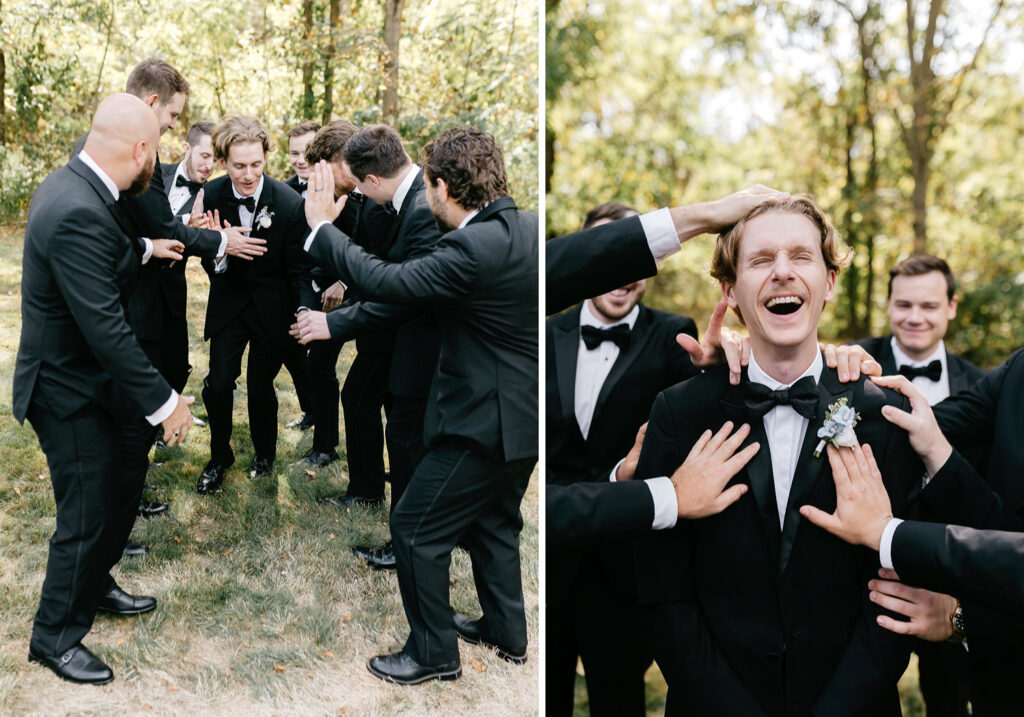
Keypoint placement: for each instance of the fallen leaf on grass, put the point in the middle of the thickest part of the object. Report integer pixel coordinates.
(477, 665)
(227, 552)
(278, 668)
(177, 539)
(284, 554)
(311, 474)
(347, 618)
(330, 537)
(17, 490)
(326, 654)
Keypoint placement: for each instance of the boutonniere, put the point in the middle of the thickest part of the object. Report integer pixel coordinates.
(838, 427)
(263, 219)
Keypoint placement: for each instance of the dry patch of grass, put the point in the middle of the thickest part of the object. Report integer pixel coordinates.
(262, 608)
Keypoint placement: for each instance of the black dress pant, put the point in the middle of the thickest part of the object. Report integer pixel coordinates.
(296, 360)
(97, 497)
(323, 378)
(267, 351)
(460, 495)
(406, 449)
(364, 395)
(944, 674)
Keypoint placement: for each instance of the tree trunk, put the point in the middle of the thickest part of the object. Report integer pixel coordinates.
(392, 35)
(329, 52)
(308, 100)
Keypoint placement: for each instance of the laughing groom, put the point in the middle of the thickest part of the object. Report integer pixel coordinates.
(754, 610)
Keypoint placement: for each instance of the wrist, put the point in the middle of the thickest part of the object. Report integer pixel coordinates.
(958, 627)
(936, 457)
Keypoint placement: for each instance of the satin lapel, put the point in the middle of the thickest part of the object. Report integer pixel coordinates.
(759, 470)
(886, 359)
(638, 338)
(808, 468)
(567, 341)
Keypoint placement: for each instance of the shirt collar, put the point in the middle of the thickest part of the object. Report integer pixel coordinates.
(255, 195)
(757, 374)
(403, 189)
(587, 317)
(469, 216)
(104, 177)
(901, 358)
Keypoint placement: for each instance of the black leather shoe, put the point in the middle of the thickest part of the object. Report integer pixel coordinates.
(118, 602)
(135, 549)
(149, 508)
(302, 424)
(377, 558)
(469, 631)
(319, 458)
(211, 478)
(403, 670)
(198, 422)
(76, 665)
(260, 467)
(159, 444)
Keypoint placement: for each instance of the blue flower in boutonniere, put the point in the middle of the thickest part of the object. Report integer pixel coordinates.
(838, 428)
(263, 219)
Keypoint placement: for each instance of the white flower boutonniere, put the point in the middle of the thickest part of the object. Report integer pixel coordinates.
(838, 428)
(263, 220)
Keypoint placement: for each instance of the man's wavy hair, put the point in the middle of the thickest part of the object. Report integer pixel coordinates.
(156, 77)
(375, 149)
(234, 129)
(329, 142)
(836, 254)
(470, 162)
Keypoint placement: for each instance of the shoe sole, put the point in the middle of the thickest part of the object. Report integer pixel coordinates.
(39, 661)
(443, 676)
(500, 651)
(125, 612)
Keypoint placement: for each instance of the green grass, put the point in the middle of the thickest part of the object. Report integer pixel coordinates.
(262, 608)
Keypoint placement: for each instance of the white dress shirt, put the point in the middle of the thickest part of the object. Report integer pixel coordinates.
(177, 195)
(934, 391)
(164, 412)
(245, 218)
(593, 367)
(785, 429)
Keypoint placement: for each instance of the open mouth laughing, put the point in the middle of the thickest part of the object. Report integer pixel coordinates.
(784, 305)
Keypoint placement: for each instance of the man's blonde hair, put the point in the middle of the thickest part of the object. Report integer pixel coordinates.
(234, 129)
(837, 255)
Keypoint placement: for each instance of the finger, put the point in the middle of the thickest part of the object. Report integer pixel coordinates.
(870, 367)
(736, 463)
(888, 574)
(733, 442)
(340, 204)
(826, 521)
(903, 385)
(830, 354)
(873, 472)
(852, 468)
(719, 438)
(733, 356)
(900, 418)
(843, 363)
(894, 604)
(840, 475)
(715, 322)
(853, 366)
(641, 434)
(699, 445)
(730, 495)
(863, 470)
(691, 346)
(746, 350)
(898, 626)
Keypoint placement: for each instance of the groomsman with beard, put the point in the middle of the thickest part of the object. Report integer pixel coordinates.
(481, 425)
(81, 375)
(754, 610)
(299, 138)
(366, 383)
(251, 303)
(608, 358)
(384, 173)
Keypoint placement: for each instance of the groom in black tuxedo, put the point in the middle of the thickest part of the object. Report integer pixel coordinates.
(608, 358)
(251, 303)
(481, 424)
(755, 610)
(81, 375)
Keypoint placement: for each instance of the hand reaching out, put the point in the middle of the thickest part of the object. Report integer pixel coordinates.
(719, 342)
(700, 482)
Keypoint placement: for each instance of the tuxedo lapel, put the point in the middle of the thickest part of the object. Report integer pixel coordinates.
(958, 380)
(566, 347)
(759, 470)
(228, 206)
(886, 359)
(113, 206)
(638, 337)
(808, 468)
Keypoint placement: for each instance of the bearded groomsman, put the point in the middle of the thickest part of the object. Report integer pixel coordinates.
(251, 303)
(299, 138)
(81, 375)
(481, 424)
(184, 179)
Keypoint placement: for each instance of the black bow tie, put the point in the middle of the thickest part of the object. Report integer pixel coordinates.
(594, 337)
(389, 207)
(303, 182)
(802, 396)
(247, 202)
(932, 371)
(183, 181)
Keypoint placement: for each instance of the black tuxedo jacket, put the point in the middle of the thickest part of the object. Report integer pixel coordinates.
(294, 185)
(413, 233)
(168, 171)
(651, 362)
(79, 266)
(583, 512)
(277, 282)
(962, 373)
(746, 618)
(596, 260)
(979, 565)
(482, 281)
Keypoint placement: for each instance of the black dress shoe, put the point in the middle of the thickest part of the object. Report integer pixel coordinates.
(76, 665)
(135, 549)
(319, 458)
(149, 508)
(377, 558)
(304, 423)
(159, 444)
(118, 602)
(469, 631)
(260, 467)
(403, 670)
(211, 478)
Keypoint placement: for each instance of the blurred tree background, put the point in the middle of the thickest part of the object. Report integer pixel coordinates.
(420, 65)
(904, 119)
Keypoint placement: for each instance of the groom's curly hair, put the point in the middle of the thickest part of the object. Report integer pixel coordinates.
(470, 162)
(234, 129)
(329, 142)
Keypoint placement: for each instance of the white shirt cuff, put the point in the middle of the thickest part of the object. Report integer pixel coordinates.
(165, 411)
(316, 286)
(666, 506)
(184, 220)
(613, 476)
(661, 233)
(148, 252)
(312, 235)
(885, 547)
(223, 243)
(221, 265)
